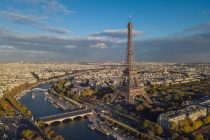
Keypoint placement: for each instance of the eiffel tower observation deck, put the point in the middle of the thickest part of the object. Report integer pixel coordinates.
(131, 85)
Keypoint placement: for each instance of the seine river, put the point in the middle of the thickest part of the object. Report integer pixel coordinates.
(74, 130)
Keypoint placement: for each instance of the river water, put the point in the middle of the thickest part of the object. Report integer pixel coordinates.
(74, 130)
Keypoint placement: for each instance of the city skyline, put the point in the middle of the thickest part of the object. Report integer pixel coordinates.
(104, 70)
(53, 30)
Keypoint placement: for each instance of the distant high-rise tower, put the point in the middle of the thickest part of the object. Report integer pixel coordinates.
(131, 85)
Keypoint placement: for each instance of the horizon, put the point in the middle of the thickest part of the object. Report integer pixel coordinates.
(74, 62)
(80, 31)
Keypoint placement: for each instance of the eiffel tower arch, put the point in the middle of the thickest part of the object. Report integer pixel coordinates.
(131, 87)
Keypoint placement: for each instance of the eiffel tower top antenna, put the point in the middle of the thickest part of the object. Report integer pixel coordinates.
(130, 17)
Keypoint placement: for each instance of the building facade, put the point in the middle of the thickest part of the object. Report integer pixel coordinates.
(193, 112)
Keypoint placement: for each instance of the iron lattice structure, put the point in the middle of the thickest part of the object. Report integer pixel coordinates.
(131, 85)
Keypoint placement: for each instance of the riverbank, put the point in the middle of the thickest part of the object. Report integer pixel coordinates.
(58, 102)
(109, 129)
(76, 129)
(22, 93)
(23, 88)
(11, 107)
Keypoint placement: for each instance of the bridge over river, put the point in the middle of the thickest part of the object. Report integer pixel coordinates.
(66, 116)
(38, 89)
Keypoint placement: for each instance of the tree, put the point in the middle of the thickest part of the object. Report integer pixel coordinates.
(181, 94)
(106, 97)
(28, 132)
(187, 125)
(159, 109)
(175, 136)
(207, 120)
(197, 124)
(198, 137)
(87, 93)
(158, 129)
(151, 133)
(146, 123)
(40, 123)
(145, 104)
(173, 126)
(118, 107)
(183, 138)
(139, 107)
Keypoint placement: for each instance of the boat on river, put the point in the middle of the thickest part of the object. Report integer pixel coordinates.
(91, 126)
(33, 96)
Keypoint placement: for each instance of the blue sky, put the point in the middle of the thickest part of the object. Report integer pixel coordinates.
(95, 30)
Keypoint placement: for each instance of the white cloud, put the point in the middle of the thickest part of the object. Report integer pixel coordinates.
(116, 33)
(55, 6)
(70, 46)
(38, 22)
(53, 29)
(189, 48)
(99, 45)
(49, 6)
(7, 47)
(197, 29)
(23, 19)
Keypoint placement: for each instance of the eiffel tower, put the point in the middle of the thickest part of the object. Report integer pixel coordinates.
(131, 86)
